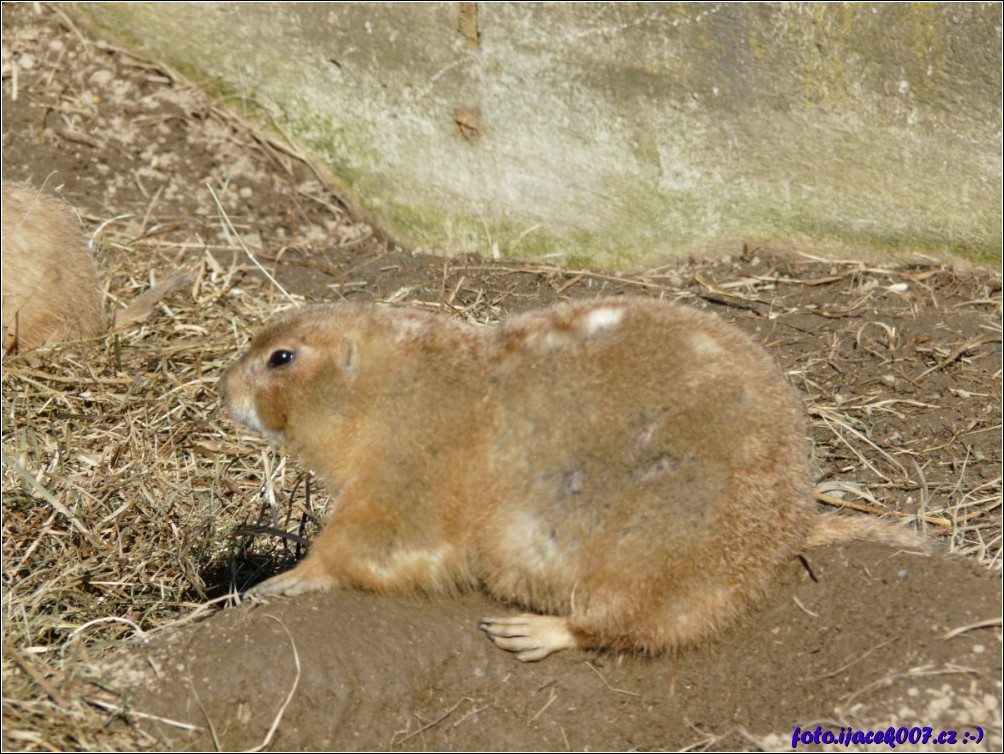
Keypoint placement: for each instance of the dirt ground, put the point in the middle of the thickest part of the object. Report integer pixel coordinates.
(899, 365)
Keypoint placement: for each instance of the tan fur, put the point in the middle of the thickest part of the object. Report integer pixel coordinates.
(636, 470)
(831, 528)
(50, 281)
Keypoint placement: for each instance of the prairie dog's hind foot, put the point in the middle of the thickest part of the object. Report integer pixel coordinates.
(299, 580)
(531, 637)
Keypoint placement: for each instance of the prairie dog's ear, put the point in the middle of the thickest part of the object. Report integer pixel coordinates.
(350, 354)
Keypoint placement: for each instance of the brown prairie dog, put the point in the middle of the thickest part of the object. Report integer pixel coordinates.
(630, 470)
(50, 281)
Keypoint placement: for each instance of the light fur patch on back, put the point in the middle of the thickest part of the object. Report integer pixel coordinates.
(410, 326)
(554, 341)
(533, 547)
(603, 319)
(705, 345)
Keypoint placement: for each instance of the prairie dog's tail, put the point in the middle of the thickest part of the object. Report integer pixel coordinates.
(830, 528)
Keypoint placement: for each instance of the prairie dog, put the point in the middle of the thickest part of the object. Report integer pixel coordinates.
(50, 281)
(631, 470)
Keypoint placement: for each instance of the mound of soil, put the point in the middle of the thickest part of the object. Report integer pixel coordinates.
(857, 638)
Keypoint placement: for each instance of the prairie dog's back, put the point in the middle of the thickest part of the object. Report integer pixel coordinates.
(639, 438)
(50, 281)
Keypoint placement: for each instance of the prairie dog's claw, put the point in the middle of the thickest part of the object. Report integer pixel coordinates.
(531, 637)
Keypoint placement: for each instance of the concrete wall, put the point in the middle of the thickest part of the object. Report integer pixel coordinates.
(620, 133)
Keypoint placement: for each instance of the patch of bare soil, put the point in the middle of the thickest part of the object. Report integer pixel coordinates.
(129, 500)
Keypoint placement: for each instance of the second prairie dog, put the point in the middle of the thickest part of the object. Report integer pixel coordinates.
(632, 471)
(50, 281)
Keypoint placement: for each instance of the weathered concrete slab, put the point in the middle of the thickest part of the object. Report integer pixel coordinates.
(617, 132)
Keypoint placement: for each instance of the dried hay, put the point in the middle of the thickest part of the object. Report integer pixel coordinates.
(123, 488)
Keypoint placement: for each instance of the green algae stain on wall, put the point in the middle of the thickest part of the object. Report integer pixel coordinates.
(619, 133)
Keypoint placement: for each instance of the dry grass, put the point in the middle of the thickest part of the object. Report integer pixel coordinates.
(124, 490)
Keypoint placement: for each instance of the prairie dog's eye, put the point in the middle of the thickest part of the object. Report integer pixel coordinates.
(280, 358)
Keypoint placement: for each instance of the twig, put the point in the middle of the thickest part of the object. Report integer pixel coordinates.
(292, 690)
(600, 676)
(957, 354)
(841, 503)
(266, 273)
(985, 623)
(431, 724)
(121, 710)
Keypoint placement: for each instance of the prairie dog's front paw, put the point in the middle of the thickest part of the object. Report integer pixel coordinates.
(299, 580)
(531, 637)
